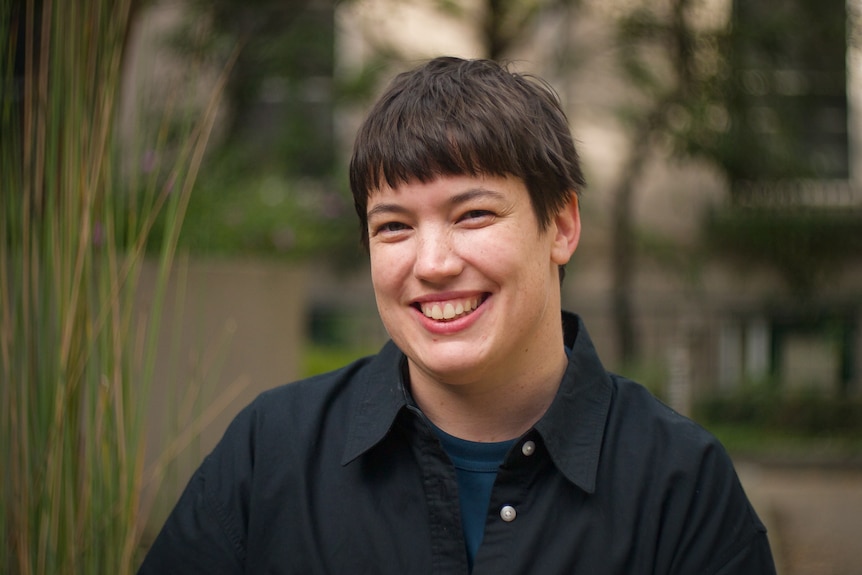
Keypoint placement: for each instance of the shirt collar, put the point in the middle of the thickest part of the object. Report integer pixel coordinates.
(381, 395)
(572, 428)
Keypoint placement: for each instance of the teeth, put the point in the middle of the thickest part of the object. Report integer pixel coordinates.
(449, 310)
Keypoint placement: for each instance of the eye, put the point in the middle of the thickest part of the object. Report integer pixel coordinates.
(477, 216)
(390, 228)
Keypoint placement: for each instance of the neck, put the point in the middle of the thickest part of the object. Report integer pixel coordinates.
(492, 409)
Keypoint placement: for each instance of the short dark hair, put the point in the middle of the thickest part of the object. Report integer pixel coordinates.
(467, 117)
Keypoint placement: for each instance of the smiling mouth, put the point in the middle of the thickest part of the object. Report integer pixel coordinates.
(451, 309)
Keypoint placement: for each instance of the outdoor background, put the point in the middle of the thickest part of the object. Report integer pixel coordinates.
(178, 235)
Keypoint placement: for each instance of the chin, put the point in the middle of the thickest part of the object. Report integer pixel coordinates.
(451, 368)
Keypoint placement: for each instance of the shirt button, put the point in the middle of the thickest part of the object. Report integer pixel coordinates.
(529, 448)
(508, 513)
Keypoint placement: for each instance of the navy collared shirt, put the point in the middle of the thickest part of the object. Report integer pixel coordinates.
(340, 474)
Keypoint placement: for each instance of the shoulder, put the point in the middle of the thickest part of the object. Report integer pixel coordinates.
(305, 403)
(672, 456)
(280, 430)
(636, 415)
(265, 456)
(315, 388)
(684, 476)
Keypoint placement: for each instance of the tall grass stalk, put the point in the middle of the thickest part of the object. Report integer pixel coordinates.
(75, 359)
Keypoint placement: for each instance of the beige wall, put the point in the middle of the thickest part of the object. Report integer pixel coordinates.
(230, 330)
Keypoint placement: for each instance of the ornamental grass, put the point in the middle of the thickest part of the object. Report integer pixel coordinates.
(76, 355)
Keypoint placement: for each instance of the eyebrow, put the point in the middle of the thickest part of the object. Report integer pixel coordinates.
(457, 199)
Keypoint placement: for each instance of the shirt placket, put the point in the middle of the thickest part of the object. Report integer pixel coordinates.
(448, 550)
(508, 506)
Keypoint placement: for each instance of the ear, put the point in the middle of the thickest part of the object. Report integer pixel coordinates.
(567, 231)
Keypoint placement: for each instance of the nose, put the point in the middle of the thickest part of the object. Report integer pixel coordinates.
(436, 257)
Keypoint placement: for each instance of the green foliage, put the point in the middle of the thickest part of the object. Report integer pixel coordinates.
(743, 440)
(783, 92)
(805, 245)
(280, 93)
(641, 68)
(762, 96)
(770, 408)
(268, 189)
(234, 213)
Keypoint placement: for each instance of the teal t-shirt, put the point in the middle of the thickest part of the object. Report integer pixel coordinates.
(476, 466)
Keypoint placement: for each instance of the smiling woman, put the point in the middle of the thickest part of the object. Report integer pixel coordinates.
(486, 434)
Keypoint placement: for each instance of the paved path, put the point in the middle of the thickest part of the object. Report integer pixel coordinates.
(814, 516)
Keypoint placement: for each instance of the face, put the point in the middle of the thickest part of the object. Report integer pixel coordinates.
(467, 285)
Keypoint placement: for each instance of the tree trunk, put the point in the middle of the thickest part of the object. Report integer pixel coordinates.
(623, 243)
(623, 248)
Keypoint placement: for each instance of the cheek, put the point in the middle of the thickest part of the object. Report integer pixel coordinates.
(485, 249)
(505, 257)
(380, 279)
(387, 268)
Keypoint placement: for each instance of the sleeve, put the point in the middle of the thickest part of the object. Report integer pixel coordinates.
(754, 556)
(206, 530)
(718, 531)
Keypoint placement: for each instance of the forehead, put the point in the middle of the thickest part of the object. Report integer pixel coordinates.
(451, 189)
